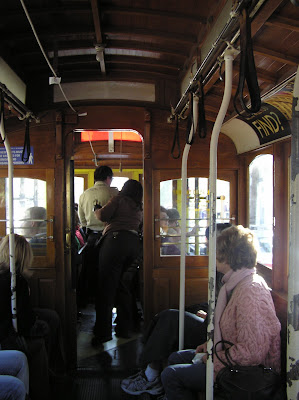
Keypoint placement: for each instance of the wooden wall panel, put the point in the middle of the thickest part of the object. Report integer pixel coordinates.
(166, 287)
(46, 289)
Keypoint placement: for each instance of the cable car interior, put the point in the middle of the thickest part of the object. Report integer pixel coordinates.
(144, 87)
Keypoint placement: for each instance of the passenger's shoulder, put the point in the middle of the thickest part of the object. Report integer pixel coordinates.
(113, 191)
(255, 285)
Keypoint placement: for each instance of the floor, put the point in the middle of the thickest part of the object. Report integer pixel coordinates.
(100, 370)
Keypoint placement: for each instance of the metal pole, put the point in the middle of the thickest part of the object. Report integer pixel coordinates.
(183, 225)
(11, 225)
(228, 57)
(293, 279)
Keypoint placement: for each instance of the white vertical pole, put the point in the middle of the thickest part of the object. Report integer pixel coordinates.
(293, 279)
(11, 225)
(183, 225)
(228, 57)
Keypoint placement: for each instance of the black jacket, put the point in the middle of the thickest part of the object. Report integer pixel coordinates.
(25, 314)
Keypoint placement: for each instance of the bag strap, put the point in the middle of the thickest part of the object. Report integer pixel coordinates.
(229, 361)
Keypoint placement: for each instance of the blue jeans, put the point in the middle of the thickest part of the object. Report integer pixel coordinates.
(14, 375)
(182, 379)
(11, 388)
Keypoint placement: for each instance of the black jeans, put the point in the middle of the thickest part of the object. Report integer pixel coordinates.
(117, 252)
(162, 336)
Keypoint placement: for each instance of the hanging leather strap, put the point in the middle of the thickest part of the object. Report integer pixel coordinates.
(176, 140)
(190, 120)
(26, 149)
(247, 70)
(201, 123)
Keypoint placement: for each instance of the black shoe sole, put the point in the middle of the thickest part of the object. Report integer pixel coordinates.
(97, 341)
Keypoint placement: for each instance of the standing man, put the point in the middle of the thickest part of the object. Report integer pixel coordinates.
(98, 195)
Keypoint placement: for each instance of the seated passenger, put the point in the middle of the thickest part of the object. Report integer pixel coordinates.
(35, 229)
(14, 375)
(167, 247)
(239, 318)
(40, 327)
(162, 338)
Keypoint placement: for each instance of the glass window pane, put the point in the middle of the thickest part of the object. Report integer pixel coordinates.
(78, 188)
(30, 214)
(261, 205)
(196, 213)
(119, 181)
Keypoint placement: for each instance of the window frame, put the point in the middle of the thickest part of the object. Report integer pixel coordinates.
(167, 174)
(46, 175)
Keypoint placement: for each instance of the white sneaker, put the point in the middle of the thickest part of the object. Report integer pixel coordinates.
(138, 384)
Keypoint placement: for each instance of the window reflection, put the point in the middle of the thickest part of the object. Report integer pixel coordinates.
(261, 205)
(30, 214)
(196, 214)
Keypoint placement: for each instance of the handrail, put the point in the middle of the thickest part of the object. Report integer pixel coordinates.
(14, 102)
(183, 224)
(214, 52)
(228, 57)
(293, 278)
(11, 225)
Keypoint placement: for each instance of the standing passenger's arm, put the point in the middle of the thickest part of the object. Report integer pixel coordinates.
(105, 213)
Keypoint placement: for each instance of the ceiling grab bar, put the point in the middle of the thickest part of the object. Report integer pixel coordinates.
(184, 222)
(293, 279)
(228, 57)
(10, 218)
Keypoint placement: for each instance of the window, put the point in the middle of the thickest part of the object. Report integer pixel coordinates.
(261, 206)
(78, 187)
(30, 211)
(196, 214)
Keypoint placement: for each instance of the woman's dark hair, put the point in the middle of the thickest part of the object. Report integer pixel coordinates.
(102, 173)
(134, 190)
(173, 214)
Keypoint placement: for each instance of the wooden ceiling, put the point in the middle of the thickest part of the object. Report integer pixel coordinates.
(149, 41)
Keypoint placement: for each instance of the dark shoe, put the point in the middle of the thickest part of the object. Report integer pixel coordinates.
(98, 341)
(122, 333)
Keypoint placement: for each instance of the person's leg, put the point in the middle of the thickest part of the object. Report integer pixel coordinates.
(39, 383)
(14, 363)
(11, 388)
(129, 248)
(163, 338)
(110, 267)
(181, 379)
(53, 340)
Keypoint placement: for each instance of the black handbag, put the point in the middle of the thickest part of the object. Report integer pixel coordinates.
(236, 382)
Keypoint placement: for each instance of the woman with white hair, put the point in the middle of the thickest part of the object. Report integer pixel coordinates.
(244, 315)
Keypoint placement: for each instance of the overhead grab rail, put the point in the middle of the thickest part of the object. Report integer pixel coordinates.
(16, 104)
(214, 57)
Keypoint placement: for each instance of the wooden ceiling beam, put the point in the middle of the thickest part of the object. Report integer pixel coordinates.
(70, 7)
(141, 61)
(283, 22)
(141, 12)
(143, 46)
(147, 34)
(275, 55)
(98, 33)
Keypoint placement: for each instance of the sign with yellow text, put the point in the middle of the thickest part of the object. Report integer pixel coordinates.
(272, 121)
